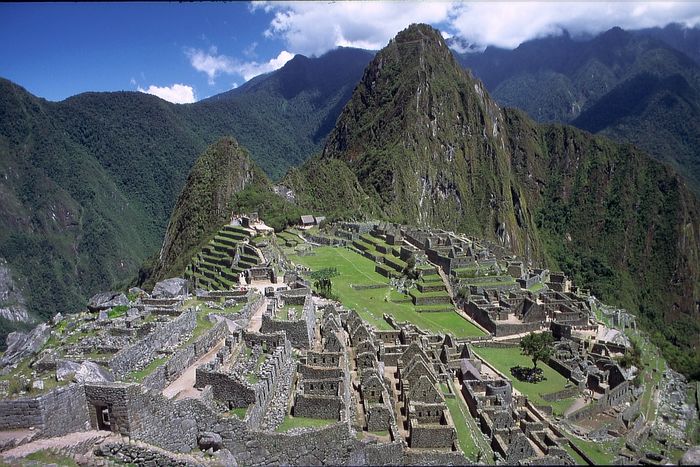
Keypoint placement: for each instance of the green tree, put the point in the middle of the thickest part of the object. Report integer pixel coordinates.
(537, 346)
(410, 270)
(322, 281)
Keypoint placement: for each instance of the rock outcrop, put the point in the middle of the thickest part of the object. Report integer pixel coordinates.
(21, 345)
(170, 288)
(107, 300)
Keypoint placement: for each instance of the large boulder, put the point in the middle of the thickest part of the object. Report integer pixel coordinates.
(691, 456)
(86, 372)
(107, 300)
(90, 372)
(21, 345)
(170, 288)
(66, 369)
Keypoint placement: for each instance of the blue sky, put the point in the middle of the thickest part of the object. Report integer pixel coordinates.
(186, 52)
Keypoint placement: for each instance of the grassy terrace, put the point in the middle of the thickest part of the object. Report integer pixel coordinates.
(465, 426)
(601, 453)
(290, 422)
(372, 303)
(577, 458)
(138, 376)
(504, 359)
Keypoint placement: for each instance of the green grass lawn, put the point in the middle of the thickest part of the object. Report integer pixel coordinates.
(504, 359)
(139, 375)
(46, 457)
(240, 412)
(601, 453)
(577, 458)
(464, 433)
(290, 422)
(371, 304)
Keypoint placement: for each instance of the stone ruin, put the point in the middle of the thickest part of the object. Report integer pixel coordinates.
(383, 393)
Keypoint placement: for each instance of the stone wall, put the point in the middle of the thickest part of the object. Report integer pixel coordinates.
(65, 410)
(301, 333)
(480, 315)
(274, 371)
(419, 300)
(139, 354)
(117, 398)
(378, 417)
(19, 413)
(431, 435)
(157, 420)
(563, 394)
(560, 367)
(225, 388)
(296, 331)
(131, 454)
(184, 357)
(250, 308)
(60, 411)
(312, 406)
(613, 397)
(310, 372)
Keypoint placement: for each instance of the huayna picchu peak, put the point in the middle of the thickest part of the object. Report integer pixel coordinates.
(426, 144)
(378, 267)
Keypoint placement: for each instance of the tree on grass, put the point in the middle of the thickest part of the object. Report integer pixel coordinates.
(632, 356)
(410, 270)
(322, 281)
(538, 346)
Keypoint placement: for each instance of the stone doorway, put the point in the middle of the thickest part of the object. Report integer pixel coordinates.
(104, 417)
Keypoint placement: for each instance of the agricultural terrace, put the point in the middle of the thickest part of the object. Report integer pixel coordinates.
(371, 304)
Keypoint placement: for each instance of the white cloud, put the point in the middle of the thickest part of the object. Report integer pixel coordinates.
(249, 51)
(214, 64)
(508, 24)
(177, 93)
(312, 28)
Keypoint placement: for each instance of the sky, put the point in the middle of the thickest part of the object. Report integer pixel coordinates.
(184, 52)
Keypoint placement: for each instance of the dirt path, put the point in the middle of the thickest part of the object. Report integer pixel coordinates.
(183, 387)
(15, 434)
(256, 320)
(66, 441)
(578, 403)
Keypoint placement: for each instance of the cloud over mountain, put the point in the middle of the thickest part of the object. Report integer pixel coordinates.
(177, 93)
(214, 64)
(312, 28)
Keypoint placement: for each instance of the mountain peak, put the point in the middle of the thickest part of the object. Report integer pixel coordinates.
(419, 31)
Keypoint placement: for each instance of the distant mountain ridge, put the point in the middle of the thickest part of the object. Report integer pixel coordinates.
(631, 86)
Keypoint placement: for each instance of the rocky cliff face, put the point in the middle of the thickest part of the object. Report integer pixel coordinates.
(13, 305)
(423, 141)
